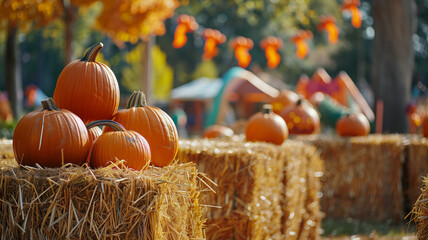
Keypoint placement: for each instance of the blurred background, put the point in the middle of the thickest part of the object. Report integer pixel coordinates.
(386, 57)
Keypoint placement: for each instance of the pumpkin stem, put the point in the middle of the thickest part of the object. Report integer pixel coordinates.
(137, 99)
(49, 105)
(109, 123)
(92, 53)
(267, 109)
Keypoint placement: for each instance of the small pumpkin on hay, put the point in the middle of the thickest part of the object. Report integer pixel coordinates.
(301, 118)
(266, 126)
(217, 131)
(119, 144)
(353, 124)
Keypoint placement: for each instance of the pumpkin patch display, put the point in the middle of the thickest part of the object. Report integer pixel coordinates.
(283, 100)
(266, 126)
(153, 124)
(50, 138)
(301, 118)
(216, 131)
(119, 144)
(88, 88)
(353, 124)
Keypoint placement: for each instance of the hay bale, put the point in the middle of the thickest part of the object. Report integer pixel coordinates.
(362, 177)
(246, 179)
(261, 189)
(417, 166)
(6, 154)
(113, 203)
(420, 212)
(301, 193)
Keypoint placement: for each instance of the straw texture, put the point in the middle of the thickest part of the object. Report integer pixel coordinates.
(301, 193)
(261, 188)
(6, 154)
(362, 178)
(107, 203)
(417, 166)
(420, 212)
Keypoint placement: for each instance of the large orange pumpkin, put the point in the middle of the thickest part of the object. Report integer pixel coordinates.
(153, 124)
(216, 131)
(266, 126)
(88, 88)
(301, 118)
(353, 124)
(50, 137)
(120, 144)
(283, 100)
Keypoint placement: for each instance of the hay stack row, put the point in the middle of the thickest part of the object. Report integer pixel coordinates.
(263, 191)
(105, 203)
(362, 178)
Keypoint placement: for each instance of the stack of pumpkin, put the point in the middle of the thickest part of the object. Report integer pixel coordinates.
(288, 114)
(87, 92)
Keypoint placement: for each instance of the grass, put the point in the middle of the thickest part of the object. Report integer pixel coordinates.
(6, 129)
(351, 227)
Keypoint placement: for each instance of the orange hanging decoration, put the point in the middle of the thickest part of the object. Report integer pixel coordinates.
(328, 23)
(302, 48)
(212, 39)
(352, 6)
(242, 45)
(186, 24)
(271, 46)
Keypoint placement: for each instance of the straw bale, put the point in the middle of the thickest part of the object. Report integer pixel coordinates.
(420, 212)
(247, 179)
(263, 191)
(362, 177)
(107, 203)
(300, 203)
(6, 154)
(417, 166)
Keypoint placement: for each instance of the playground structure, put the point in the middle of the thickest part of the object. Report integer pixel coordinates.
(240, 93)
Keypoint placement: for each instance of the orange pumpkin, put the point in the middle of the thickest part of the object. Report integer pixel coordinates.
(301, 118)
(153, 124)
(216, 131)
(120, 144)
(354, 124)
(88, 88)
(266, 126)
(5, 110)
(50, 137)
(94, 133)
(283, 100)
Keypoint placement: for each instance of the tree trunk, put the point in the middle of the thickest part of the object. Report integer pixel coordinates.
(146, 77)
(68, 21)
(13, 73)
(393, 59)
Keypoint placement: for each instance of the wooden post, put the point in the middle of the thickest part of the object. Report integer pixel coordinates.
(146, 77)
(379, 116)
